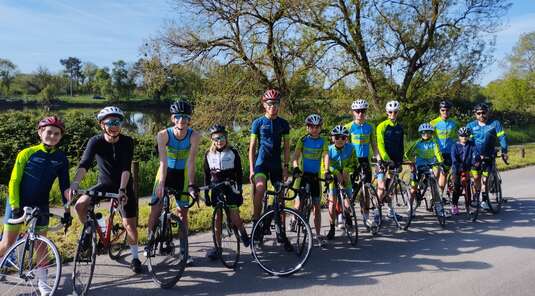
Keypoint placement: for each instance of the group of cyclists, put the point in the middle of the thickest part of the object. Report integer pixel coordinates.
(354, 146)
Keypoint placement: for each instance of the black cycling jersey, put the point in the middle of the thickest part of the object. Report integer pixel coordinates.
(223, 165)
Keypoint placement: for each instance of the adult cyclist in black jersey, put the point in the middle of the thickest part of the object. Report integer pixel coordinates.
(113, 152)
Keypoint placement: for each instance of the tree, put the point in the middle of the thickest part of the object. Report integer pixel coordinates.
(89, 72)
(119, 78)
(103, 82)
(522, 60)
(406, 41)
(154, 68)
(8, 71)
(73, 68)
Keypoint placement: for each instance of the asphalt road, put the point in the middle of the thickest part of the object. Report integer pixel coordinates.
(494, 256)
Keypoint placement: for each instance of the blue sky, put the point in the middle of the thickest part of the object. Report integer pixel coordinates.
(40, 33)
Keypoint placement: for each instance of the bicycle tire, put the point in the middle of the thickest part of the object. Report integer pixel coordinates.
(438, 204)
(270, 247)
(84, 261)
(17, 257)
(306, 208)
(494, 192)
(374, 204)
(168, 246)
(228, 250)
(402, 204)
(351, 224)
(472, 202)
(118, 235)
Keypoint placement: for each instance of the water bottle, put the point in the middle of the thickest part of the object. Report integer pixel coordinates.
(101, 222)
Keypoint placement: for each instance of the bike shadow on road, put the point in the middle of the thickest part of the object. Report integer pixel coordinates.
(424, 247)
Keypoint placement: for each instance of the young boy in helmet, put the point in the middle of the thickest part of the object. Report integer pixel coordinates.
(223, 163)
(465, 158)
(424, 153)
(113, 152)
(310, 151)
(33, 174)
(177, 149)
(341, 163)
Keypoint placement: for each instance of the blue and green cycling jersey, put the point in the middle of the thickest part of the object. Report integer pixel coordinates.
(390, 141)
(445, 132)
(426, 153)
(33, 174)
(178, 149)
(485, 136)
(341, 159)
(270, 134)
(312, 150)
(361, 137)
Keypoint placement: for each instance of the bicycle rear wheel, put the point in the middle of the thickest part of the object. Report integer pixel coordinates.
(494, 193)
(228, 246)
(167, 252)
(117, 235)
(275, 248)
(25, 273)
(84, 260)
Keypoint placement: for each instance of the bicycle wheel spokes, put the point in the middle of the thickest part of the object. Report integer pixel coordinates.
(22, 273)
(225, 237)
(117, 236)
(402, 206)
(168, 252)
(277, 250)
(494, 190)
(375, 213)
(84, 260)
(438, 205)
(351, 226)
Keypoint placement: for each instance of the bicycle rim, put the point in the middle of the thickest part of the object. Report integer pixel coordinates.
(375, 209)
(300, 228)
(117, 236)
(438, 205)
(277, 249)
(351, 225)
(84, 260)
(402, 206)
(494, 193)
(36, 271)
(168, 252)
(473, 201)
(228, 247)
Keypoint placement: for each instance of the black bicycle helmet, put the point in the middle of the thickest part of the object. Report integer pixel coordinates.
(181, 107)
(217, 128)
(481, 107)
(445, 104)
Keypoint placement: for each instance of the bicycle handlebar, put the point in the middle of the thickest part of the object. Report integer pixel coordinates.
(30, 213)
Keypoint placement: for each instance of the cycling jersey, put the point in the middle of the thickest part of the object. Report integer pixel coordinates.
(177, 149)
(220, 166)
(341, 159)
(33, 174)
(486, 135)
(390, 140)
(426, 152)
(361, 136)
(445, 132)
(270, 134)
(312, 149)
(464, 156)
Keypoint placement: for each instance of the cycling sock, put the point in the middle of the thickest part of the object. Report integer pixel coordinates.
(134, 251)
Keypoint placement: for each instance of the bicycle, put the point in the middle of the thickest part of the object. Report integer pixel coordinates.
(493, 184)
(112, 239)
(272, 248)
(471, 200)
(433, 201)
(369, 199)
(33, 262)
(396, 197)
(167, 246)
(349, 213)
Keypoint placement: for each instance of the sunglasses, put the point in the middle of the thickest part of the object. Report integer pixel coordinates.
(426, 133)
(444, 110)
(183, 116)
(272, 104)
(113, 122)
(360, 111)
(463, 136)
(392, 112)
(219, 138)
(481, 113)
(338, 137)
(313, 126)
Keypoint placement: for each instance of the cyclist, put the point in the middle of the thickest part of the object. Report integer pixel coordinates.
(222, 162)
(113, 152)
(310, 151)
(177, 150)
(425, 153)
(445, 132)
(341, 163)
(362, 136)
(485, 133)
(268, 134)
(391, 150)
(465, 157)
(33, 174)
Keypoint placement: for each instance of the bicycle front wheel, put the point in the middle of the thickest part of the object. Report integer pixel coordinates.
(438, 204)
(225, 237)
(30, 267)
(351, 225)
(494, 193)
(84, 260)
(403, 206)
(275, 248)
(117, 235)
(167, 252)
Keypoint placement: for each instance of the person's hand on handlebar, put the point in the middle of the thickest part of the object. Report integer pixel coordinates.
(296, 171)
(505, 157)
(193, 190)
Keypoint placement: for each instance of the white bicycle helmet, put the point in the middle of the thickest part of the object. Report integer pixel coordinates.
(425, 127)
(359, 104)
(392, 106)
(339, 130)
(313, 119)
(110, 110)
